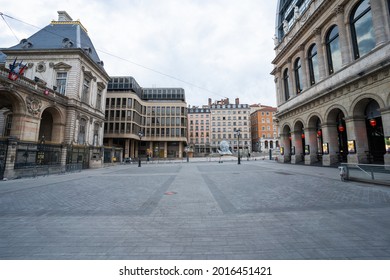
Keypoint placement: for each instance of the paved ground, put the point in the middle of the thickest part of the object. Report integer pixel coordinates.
(256, 210)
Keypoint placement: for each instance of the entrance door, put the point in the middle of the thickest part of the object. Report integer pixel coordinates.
(375, 133)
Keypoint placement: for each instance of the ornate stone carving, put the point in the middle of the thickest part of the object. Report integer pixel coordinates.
(34, 105)
(339, 10)
(41, 67)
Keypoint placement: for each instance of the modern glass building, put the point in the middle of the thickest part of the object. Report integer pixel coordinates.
(160, 114)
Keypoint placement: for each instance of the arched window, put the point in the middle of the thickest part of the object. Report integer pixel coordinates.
(286, 85)
(333, 49)
(298, 76)
(313, 65)
(363, 38)
(82, 129)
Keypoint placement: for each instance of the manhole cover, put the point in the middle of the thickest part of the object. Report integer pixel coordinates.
(170, 193)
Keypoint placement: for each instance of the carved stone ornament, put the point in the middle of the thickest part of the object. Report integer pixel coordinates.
(34, 105)
(41, 67)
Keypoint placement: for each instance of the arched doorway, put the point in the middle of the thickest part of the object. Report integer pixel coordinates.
(375, 135)
(285, 146)
(334, 137)
(46, 126)
(313, 141)
(342, 138)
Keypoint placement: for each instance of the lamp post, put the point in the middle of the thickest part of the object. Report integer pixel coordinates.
(140, 135)
(238, 131)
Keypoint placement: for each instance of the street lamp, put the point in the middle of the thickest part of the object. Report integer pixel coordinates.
(140, 135)
(238, 131)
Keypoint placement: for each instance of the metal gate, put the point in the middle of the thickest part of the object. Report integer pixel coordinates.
(3, 157)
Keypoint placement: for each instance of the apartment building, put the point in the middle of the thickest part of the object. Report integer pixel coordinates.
(263, 128)
(199, 124)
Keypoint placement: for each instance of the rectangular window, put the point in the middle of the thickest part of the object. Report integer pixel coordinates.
(61, 82)
(85, 93)
(99, 100)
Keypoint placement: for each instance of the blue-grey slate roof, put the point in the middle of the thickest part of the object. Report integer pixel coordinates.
(59, 36)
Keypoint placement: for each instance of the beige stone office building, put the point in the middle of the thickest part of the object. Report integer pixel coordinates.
(332, 76)
(160, 114)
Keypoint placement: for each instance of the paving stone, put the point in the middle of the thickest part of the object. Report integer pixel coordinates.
(196, 210)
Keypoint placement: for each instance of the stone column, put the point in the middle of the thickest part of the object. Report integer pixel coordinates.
(329, 135)
(297, 143)
(9, 171)
(380, 21)
(311, 140)
(291, 75)
(25, 128)
(285, 144)
(165, 149)
(346, 53)
(357, 130)
(320, 53)
(305, 74)
(277, 80)
(127, 146)
(180, 149)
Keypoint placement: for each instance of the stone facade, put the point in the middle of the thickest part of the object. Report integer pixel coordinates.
(332, 77)
(54, 112)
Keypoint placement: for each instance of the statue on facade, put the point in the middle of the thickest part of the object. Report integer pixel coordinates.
(276, 40)
(296, 12)
(285, 26)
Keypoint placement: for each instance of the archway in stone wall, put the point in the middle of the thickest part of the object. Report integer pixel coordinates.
(314, 138)
(337, 135)
(370, 109)
(11, 104)
(50, 127)
(298, 142)
(286, 143)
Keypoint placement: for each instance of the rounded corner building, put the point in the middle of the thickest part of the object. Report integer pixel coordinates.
(332, 77)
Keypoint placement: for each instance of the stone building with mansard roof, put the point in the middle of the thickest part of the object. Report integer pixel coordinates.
(332, 77)
(53, 115)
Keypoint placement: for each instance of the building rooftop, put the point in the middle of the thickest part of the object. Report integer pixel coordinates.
(62, 34)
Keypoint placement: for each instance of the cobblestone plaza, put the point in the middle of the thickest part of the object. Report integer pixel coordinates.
(196, 210)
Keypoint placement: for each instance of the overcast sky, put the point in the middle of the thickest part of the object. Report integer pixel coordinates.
(212, 48)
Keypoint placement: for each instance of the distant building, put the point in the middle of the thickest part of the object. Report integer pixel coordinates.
(199, 121)
(226, 120)
(263, 129)
(332, 77)
(52, 116)
(160, 114)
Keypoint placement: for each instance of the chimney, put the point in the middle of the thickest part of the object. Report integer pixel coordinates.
(210, 101)
(237, 101)
(63, 16)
